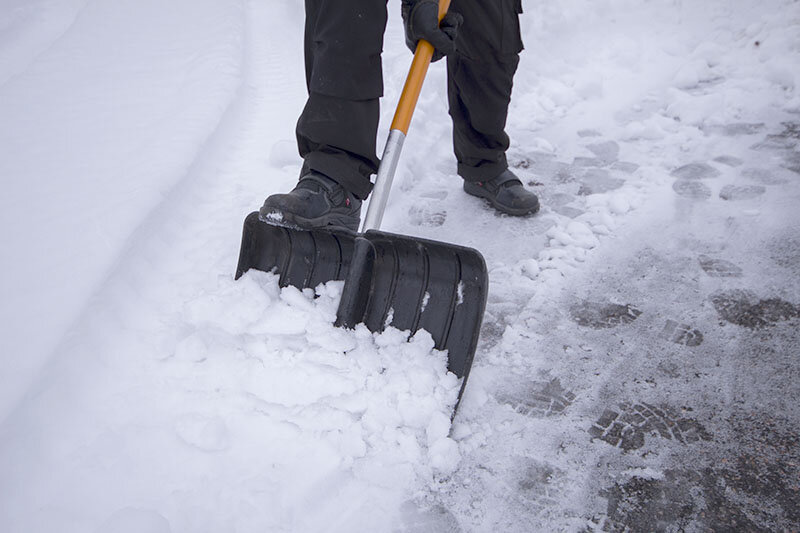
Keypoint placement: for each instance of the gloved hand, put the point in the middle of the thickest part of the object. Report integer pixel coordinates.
(421, 18)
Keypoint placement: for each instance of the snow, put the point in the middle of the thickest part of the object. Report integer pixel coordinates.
(81, 165)
(143, 389)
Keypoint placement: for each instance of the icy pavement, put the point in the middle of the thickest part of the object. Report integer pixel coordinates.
(656, 390)
(638, 363)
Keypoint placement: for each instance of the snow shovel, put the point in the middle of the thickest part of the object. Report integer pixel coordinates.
(390, 280)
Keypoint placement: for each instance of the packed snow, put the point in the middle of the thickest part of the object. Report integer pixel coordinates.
(637, 363)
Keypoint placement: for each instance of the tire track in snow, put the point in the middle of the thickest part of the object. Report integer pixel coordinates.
(78, 133)
(229, 175)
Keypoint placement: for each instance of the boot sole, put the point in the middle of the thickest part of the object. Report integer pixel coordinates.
(478, 192)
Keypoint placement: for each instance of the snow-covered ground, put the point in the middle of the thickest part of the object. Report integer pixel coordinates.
(638, 364)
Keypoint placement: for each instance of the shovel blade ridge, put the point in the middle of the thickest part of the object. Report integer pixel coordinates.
(300, 258)
(418, 284)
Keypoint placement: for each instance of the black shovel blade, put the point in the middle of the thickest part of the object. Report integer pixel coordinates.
(390, 280)
(412, 284)
(300, 258)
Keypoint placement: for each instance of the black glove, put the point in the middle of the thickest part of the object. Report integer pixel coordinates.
(421, 18)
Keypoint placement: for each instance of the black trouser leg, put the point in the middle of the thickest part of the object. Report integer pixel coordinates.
(480, 78)
(479, 111)
(337, 138)
(337, 130)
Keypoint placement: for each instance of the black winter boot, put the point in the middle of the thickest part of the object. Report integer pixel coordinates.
(316, 202)
(506, 194)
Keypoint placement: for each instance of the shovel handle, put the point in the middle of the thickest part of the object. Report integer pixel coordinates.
(416, 75)
(399, 129)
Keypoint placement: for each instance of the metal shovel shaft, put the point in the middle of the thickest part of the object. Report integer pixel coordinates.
(383, 181)
(399, 129)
